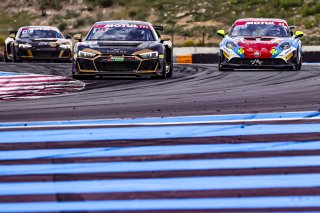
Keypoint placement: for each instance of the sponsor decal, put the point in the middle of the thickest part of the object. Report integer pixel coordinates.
(226, 55)
(289, 56)
(116, 51)
(105, 27)
(257, 53)
(274, 51)
(256, 62)
(116, 59)
(30, 30)
(241, 51)
(44, 43)
(261, 22)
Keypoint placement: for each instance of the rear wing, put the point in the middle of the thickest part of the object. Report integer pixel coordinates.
(159, 28)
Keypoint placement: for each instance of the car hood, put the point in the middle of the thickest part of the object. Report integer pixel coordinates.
(119, 47)
(258, 46)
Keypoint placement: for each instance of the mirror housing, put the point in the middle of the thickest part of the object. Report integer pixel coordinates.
(165, 38)
(292, 27)
(77, 37)
(298, 34)
(68, 37)
(12, 34)
(221, 33)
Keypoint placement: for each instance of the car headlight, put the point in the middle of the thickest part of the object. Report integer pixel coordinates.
(231, 45)
(25, 46)
(149, 55)
(65, 46)
(83, 54)
(285, 45)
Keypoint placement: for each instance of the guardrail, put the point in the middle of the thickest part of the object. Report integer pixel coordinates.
(209, 55)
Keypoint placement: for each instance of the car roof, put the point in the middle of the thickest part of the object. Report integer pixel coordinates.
(244, 20)
(124, 22)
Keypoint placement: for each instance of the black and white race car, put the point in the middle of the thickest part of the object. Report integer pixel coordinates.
(129, 48)
(37, 43)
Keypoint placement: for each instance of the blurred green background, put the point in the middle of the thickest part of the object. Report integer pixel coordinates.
(189, 22)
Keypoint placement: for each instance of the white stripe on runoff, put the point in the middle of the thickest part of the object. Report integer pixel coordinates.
(164, 204)
(178, 120)
(14, 85)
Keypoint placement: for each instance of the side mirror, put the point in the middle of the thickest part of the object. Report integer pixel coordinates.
(165, 38)
(292, 27)
(221, 33)
(12, 35)
(68, 36)
(77, 37)
(298, 34)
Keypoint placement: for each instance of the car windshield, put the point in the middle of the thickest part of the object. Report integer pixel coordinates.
(40, 33)
(119, 32)
(260, 30)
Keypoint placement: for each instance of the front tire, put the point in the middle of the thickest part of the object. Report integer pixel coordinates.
(5, 55)
(170, 73)
(221, 67)
(298, 63)
(77, 76)
(14, 57)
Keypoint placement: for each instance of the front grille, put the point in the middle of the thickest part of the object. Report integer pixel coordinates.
(148, 65)
(66, 54)
(23, 53)
(264, 61)
(86, 64)
(46, 54)
(127, 66)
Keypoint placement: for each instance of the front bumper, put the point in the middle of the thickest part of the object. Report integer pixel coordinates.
(127, 65)
(257, 63)
(44, 53)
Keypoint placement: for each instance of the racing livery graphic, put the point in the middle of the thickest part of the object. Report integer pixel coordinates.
(118, 48)
(260, 43)
(37, 43)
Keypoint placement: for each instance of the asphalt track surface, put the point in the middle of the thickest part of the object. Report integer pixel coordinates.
(189, 147)
(193, 90)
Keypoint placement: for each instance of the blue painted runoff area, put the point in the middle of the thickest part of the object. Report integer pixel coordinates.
(153, 132)
(6, 74)
(157, 150)
(162, 184)
(170, 120)
(164, 204)
(153, 166)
